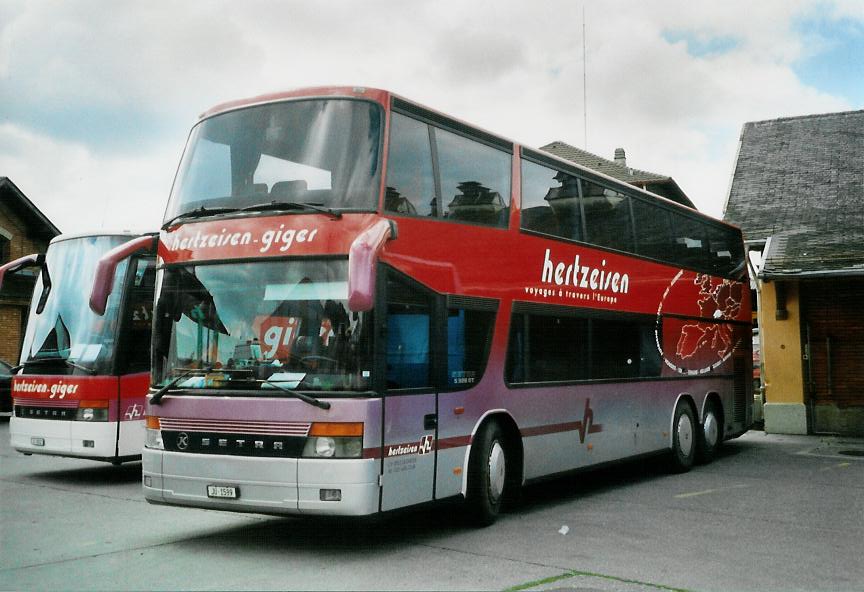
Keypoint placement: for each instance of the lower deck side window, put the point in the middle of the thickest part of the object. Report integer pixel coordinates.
(569, 346)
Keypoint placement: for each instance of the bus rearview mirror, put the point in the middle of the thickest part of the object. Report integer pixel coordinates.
(362, 263)
(104, 278)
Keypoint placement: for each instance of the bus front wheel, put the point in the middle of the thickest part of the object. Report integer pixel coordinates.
(487, 475)
(684, 437)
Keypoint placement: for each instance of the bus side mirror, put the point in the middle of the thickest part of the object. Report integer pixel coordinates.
(362, 264)
(34, 260)
(103, 282)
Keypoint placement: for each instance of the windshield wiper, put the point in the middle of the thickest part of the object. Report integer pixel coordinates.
(164, 390)
(199, 213)
(157, 396)
(303, 397)
(293, 205)
(53, 360)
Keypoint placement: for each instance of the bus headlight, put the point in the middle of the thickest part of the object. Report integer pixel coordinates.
(92, 411)
(334, 440)
(153, 433)
(325, 447)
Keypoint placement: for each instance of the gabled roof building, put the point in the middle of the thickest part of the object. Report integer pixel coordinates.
(24, 229)
(662, 185)
(797, 193)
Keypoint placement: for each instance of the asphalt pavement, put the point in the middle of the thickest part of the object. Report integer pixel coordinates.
(771, 513)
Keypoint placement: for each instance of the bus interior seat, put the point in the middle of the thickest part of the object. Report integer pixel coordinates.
(289, 190)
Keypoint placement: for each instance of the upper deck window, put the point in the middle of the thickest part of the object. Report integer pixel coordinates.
(563, 203)
(410, 179)
(607, 217)
(435, 172)
(550, 201)
(321, 152)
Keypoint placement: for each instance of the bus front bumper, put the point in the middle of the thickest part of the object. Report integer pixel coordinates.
(262, 485)
(64, 438)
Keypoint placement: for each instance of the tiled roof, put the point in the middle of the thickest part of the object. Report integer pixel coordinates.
(600, 164)
(800, 182)
(39, 224)
(659, 184)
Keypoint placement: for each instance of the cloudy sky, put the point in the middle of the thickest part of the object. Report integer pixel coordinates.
(97, 97)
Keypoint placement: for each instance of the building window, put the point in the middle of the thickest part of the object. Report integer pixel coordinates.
(5, 250)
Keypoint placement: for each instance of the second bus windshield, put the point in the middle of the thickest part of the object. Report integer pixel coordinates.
(67, 337)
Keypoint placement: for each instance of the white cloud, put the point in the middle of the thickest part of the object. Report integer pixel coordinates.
(81, 192)
(509, 66)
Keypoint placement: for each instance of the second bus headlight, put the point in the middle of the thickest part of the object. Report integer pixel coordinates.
(334, 440)
(92, 411)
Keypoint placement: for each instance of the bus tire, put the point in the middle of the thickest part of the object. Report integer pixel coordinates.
(684, 436)
(711, 432)
(487, 475)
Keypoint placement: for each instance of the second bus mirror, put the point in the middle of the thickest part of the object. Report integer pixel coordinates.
(104, 279)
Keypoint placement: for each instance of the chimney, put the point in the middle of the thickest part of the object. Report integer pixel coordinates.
(620, 158)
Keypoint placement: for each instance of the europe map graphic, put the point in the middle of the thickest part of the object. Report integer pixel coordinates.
(720, 300)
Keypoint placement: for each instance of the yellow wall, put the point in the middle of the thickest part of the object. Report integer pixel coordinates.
(781, 346)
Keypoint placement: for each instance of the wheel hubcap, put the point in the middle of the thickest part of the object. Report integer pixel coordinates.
(710, 429)
(685, 435)
(497, 471)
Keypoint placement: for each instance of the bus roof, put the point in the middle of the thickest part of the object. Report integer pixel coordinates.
(357, 92)
(100, 233)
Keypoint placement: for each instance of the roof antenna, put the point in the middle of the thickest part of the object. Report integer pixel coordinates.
(584, 81)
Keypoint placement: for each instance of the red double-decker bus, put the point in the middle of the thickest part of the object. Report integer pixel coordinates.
(79, 389)
(364, 304)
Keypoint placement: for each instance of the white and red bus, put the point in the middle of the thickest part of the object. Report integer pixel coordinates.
(79, 389)
(363, 304)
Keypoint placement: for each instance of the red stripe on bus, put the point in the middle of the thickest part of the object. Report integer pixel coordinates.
(443, 444)
(555, 428)
(454, 442)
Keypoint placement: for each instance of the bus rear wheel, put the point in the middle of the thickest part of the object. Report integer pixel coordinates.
(711, 434)
(487, 475)
(684, 438)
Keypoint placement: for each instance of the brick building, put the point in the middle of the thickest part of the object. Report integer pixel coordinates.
(23, 230)
(798, 195)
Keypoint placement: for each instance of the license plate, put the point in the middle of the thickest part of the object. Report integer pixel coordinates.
(37, 441)
(223, 491)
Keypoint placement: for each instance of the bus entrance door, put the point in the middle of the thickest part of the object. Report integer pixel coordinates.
(409, 451)
(410, 400)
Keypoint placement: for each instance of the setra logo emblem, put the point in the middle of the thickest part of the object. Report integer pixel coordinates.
(134, 411)
(426, 444)
(182, 441)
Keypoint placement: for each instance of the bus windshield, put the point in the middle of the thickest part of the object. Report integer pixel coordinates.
(322, 152)
(260, 326)
(67, 337)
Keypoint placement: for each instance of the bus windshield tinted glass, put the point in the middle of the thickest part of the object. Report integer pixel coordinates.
(243, 326)
(321, 152)
(68, 337)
